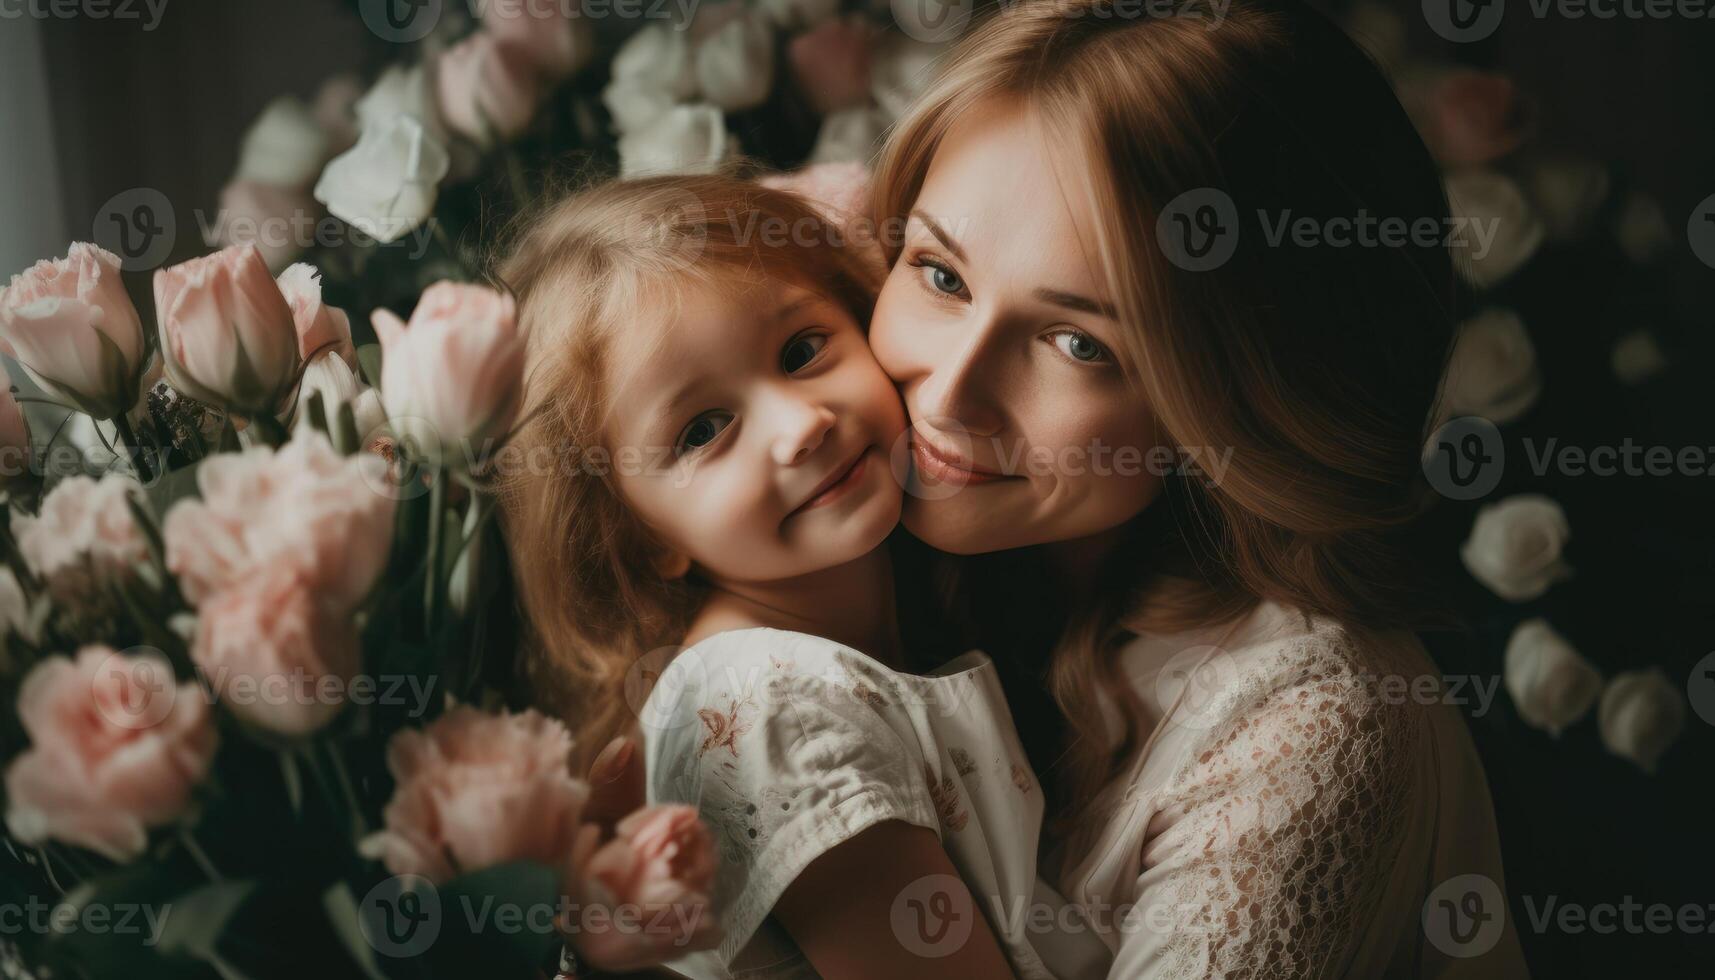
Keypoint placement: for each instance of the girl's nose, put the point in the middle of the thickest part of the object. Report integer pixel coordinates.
(799, 427)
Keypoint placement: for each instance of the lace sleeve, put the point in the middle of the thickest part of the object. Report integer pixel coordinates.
(1276, 835)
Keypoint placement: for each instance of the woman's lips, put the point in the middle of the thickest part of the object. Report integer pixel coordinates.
(841, 483)
(944, 468)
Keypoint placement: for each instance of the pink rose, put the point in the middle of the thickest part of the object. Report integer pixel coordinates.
(488, 89)
(84, 536)
(320, 327)
(266, 642)
(268, 215)
(1471, 117)
(831, 64)
(450, 380)
(304, 506)
(661, 858)
(475, 790)
(555, 41)
(116, 748)
(226, 331)
(72, 326)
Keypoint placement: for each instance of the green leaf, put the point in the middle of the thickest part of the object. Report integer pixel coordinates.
(343, 914)
(200, 918)
(498, 921)
(369, 364)
(168, 490)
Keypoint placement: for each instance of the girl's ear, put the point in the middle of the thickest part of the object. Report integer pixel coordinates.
(670, 564)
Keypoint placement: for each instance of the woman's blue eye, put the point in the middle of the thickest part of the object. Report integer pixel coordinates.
(944, 279)
(801, 351)
(703, 430)
(1080, 346)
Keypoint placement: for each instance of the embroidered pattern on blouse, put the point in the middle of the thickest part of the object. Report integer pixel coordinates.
(723, 728)
(962, 761)
(945, 793)
(1021, 778)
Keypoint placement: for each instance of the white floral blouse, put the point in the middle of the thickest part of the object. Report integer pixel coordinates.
(789, 744)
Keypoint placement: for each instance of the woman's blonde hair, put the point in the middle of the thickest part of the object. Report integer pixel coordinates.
(1318, 367)
(604, 260)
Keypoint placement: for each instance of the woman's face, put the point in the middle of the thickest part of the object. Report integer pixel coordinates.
(995, 326)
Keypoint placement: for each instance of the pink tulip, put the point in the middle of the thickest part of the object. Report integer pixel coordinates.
(488, 89)
(831, 64)
(450, 380)
(226, 331)
(279, 220)
(661, 859)
(475, 790)
(72, 326)
(320, 327)
(555, 42)
(267, 644)
(116, 748)
(304, 506)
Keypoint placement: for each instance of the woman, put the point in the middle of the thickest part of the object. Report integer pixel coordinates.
(1102, 272)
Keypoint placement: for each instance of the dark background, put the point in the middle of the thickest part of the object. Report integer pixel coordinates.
(95, 108)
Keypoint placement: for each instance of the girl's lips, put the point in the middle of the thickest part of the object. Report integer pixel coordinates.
(947, 469)
(841, 483)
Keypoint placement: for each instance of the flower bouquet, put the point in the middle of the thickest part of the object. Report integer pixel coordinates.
(251, 722)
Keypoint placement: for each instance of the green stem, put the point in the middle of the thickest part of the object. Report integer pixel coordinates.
(360, 827)
(432, 582)
(268, 429)
(199, 855)
(139, 456)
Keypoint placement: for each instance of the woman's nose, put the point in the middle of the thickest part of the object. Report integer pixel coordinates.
(963, 385)
(799, 427)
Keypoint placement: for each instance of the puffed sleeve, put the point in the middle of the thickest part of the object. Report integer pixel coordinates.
(1279, 834)
(783, 758)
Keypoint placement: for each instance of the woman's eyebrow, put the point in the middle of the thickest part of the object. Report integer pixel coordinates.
(940, 234)
(1073, 301)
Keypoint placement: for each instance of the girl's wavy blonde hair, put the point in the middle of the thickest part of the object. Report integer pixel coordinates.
(613, 257)
(1318, 367)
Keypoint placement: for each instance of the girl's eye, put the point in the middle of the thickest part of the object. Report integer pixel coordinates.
(1080, 346)
(940, 277)
(702, 431)
(800, 351)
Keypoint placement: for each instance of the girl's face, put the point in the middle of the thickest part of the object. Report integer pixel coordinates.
(995, 326)
(758, 427)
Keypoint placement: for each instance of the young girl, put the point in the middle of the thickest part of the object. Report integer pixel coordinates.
(711, 531)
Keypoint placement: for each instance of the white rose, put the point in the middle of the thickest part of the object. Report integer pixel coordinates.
(329, 376)
(634, 105)
(1641, 714)
(901, 68)
(658, 57)
(1501, 231)
(402, 91)
(1637, 357)
(849, 136)
(1492, 372)
(798, 14)
(1515, 546)
(1567, 191)
(735, 65)
(1550, 683)
(686, 139)
(386, 184)
(285, 146)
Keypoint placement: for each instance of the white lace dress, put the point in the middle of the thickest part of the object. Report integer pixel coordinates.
(789, 744)
(1302, 810)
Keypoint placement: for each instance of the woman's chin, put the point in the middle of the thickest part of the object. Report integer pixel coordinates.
(958, 527)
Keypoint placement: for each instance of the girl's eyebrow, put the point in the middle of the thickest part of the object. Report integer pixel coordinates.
(1056, 297)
